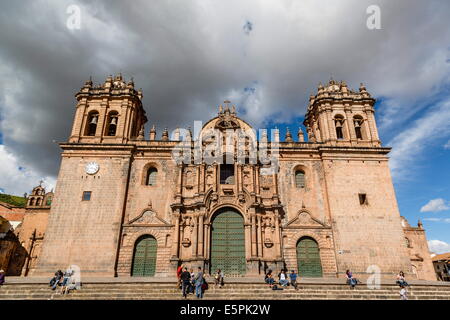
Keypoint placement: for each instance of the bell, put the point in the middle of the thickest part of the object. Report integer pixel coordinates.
(93, 120)
(114, 121)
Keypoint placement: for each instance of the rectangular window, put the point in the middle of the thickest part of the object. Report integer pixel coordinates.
(362, 198)
(227, 174)
(86, 195)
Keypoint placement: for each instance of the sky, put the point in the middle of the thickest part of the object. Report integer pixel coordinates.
(265, 56)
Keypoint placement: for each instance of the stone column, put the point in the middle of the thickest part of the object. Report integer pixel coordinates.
(195, 235)
(207, 243)
(259, 237)
(248, 241)
(200, 236)
(367, 131)
(277, 234)
(123, 121)
(253, 220)
(239, 178)
(176, 236)
(372, 125)
(350, 126)
(324, 125)
(77, 129)
(180, 180)
(256, 171)
(102, 119)
(202, 177)
(331, 123)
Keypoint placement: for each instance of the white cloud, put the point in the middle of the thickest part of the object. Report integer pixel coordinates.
(438, 246)
(435, 205)
(408, 146)
(15, 179)
(445, 220)
(447, 145)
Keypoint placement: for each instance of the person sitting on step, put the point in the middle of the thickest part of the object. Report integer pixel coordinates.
(56, 280)
(283, 278)
(2, 277)
(350, 280)
(218, 278)
(401, 280)
(293, 277)
(269, 278)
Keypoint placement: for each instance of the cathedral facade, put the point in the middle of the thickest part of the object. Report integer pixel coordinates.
(221, 198)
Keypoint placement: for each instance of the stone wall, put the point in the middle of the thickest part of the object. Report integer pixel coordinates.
(86, 233)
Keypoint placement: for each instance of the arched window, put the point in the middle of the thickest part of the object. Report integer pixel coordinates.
(339, 123)
(151, 176)
(32, 202)
(38, 201)
(299, 178)
(111, 128)
(91, 126)
(358, 122)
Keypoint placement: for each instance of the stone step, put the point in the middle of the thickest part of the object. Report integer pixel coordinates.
(225, 290)
(234, 286)
(239, 291)
(227, 297)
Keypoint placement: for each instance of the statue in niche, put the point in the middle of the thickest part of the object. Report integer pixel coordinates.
(269, 229)
(188, 227)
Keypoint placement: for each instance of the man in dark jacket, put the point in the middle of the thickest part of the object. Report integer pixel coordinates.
(185, 278)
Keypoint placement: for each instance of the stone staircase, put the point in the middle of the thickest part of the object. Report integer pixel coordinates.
(235, 289)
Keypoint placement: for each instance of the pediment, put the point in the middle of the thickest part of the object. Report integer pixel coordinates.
(149, 218)
(304, 219)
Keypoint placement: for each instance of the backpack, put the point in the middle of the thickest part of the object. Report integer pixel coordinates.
(204, 285)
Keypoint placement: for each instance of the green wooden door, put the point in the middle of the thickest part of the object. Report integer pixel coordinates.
(144, 260)
(308, 258)
(228, 244)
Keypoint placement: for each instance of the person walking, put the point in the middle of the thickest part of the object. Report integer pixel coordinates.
(179, 271)
(293, 277)
(185, 278)
(198, 283)
(192, 282)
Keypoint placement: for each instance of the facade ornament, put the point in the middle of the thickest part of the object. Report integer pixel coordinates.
(288, 137)
(153, 133)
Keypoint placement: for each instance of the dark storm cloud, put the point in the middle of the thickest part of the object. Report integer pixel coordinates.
(189, 56)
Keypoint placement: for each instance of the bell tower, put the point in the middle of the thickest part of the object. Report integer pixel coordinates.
(111, 112)
(337, 115)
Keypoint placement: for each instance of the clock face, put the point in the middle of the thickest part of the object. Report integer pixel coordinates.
(92, 167)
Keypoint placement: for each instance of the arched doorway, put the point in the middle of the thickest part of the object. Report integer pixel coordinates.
(144, 257)
(308, 258)
(228, 243)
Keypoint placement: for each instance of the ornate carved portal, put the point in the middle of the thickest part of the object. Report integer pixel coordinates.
(205, 190)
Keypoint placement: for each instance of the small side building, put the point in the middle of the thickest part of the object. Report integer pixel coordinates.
(441, 263)
(23, 225)
(419, 254)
